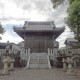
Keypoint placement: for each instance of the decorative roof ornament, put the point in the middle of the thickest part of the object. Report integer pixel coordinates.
(25, 24)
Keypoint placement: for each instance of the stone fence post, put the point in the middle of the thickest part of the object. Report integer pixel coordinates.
(28, 51)
(49, 51)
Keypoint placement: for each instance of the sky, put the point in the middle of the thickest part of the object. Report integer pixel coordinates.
(15, 12)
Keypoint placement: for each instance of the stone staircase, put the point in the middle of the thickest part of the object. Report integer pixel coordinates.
(33, 61)
(38, 60)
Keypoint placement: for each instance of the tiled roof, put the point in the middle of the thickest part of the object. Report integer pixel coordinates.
(30, 25)
(44, 27)
(70, 40)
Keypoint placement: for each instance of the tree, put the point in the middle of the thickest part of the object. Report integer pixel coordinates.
(1, 29)
(56, 3)
(73, 18)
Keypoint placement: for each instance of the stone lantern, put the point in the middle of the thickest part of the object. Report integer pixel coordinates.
(64, 60)
(69, 62)
(70, 70)
(8, 61)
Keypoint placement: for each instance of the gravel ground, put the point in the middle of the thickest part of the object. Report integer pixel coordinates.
(39, 74)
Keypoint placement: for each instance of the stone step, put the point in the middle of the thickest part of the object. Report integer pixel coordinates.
(33, 59)
(34, 55)
(43, 66)
(33, 66)
(43, 58)
(39, 62)
(43, 62)
(33, 62)
(38, 66)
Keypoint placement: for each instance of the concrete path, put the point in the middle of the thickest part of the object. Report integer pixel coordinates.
(39, 74)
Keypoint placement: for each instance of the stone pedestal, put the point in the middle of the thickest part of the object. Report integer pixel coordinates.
(70, 70)
(12, 65)
(8, 65)
(69, 61)
(64, 64)
(5, 71)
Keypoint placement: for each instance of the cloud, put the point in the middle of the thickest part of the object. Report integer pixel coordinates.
(17, 11)
(20, 10)
(8, 37)
(40, 5)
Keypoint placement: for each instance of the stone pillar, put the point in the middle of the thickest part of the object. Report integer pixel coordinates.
(28, 51)
(74, 61)
(51, 51)
(48, 51)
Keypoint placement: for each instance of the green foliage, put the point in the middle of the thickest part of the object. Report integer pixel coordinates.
(56, 3)
(73, 19)
(71, 1)
(1, 29)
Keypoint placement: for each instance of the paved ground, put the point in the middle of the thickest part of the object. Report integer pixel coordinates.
(39, 74)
